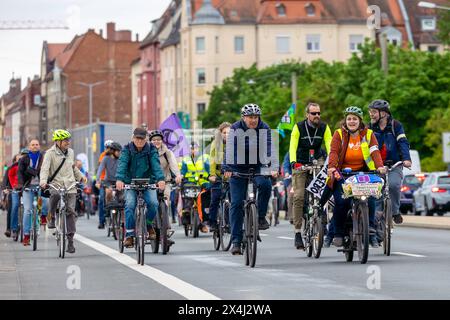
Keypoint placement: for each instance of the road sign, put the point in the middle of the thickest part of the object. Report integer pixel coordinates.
(446, 146)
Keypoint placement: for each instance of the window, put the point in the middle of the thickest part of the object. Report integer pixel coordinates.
(43, 114)
(200, 44)
(313, 43)
(355, 41)
(281, 10)
(201, 107)
(432, 48)
(201, 77)
(239, 44)
(310, 10)
(283, 44)
(217, 44)
(428, 24)
(44, 137)
(216, 75)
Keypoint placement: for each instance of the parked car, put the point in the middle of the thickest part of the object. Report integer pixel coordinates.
(411, 182)
(434, 195)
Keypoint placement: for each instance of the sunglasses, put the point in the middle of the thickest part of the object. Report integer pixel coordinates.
(315, 113)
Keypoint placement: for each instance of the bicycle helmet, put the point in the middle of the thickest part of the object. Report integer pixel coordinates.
(115, 146)
(24, 151)
(61, 134)
(155, 133)
(251, 109)
(354, 110)
(380, 105)
(108, 143)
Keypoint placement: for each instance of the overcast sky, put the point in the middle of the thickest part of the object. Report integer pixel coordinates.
(20, 50)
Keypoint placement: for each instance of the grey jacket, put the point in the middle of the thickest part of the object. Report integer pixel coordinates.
(170, 165)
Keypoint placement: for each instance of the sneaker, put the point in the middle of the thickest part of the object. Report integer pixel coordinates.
(299, 241)
(263, 224)
(398, 219)
(236, 249)
(203, 228)
(70, 247)
(8, 233)
(326, 242)
(51, 224)
(43, 220)
(14, 235)
(101, 226)
(373, 242)
(151, 233)
(170, 242)
(26, 240)
(338, 241)
(129, 242)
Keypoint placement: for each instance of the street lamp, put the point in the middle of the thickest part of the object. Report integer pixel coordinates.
(90, 86)
(431, 5)
(70, 99)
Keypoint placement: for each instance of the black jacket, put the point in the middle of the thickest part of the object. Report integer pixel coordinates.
(27, 173)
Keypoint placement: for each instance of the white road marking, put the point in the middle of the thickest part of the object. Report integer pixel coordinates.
(409, 254)
(286, 238)
(173, 283)
(263, 234)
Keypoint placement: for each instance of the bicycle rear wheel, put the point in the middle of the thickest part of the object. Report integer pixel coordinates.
(252, 234)
(216, 234)
(120, 230)
(195, 224)
(362, 236)
(156, 226)
(387, 227)
(224, 226)
(34, 229)
(165, 224)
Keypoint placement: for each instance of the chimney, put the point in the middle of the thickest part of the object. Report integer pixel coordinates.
(101, 32)
(137, 37)
(110, 31)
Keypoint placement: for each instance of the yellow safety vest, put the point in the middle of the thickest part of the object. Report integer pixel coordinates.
(195, 169)
(365, 148)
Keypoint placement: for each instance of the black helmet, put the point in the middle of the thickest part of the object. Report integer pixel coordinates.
(155, 133)
(251, 109)
(115, 146)
(380, 105)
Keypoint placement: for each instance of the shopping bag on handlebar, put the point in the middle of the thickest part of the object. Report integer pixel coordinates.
(45, 193)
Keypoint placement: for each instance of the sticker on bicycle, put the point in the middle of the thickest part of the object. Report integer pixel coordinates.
(362, 189)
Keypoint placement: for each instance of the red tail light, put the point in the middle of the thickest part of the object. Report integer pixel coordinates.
(438, 190)
(404, 188)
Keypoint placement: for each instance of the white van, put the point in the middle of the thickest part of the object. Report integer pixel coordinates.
(415, 159)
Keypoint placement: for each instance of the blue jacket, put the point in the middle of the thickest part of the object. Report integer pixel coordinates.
(392, 140)
(254, 146)
(287, 164)
(143, 164)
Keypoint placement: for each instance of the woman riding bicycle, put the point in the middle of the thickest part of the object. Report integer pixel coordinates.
(356, 147)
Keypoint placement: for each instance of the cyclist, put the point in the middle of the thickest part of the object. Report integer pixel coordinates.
(216, 156)
(139, 159)
(109, 165)
(356, 147)
(250, 121)
(15, 193)
(195, 169)
(65, 177)
(28, 176)
(100, 178)
(393, 147)
(305, 146)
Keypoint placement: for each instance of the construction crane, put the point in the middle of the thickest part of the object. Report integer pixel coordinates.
(32, 24)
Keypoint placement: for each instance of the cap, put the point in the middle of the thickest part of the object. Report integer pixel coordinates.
(140, 133)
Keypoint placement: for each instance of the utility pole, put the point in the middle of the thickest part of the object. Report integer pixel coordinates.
(70, 99)
(294, 87)
(91, 153)
(384, 53)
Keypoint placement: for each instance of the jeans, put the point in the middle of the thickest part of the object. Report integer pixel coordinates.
(150, 199)
(101, 206)
(341, 208)
(8, 214)
(395, 183)
(238, 192)
(15, 204)
(173, 203)
(216, 194)
(53, 203)
(28, 198)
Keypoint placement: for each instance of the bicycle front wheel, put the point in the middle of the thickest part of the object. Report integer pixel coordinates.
(165, 224)
(362, 235)
(120, 230)
(34, 229)
(62, 234)
(387, 227)
(252, 235)
(224, 226)
(317, 228)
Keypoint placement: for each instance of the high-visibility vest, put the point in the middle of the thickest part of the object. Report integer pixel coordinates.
(196, 169)
(365, 148)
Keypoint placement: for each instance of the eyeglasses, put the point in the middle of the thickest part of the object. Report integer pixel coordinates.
(315, 113)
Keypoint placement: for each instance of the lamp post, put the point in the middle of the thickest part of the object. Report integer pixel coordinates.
(70, 99)
(90, 86)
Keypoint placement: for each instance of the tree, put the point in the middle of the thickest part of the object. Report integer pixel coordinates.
(444, 26)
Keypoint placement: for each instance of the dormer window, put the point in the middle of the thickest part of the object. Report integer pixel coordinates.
(281, 10)
(310, 9)
(428, 24)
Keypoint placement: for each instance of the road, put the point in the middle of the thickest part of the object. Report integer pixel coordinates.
(418, 269)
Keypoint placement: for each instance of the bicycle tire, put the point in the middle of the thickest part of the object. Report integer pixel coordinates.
(20, 225)
(165, 224)
(34, 229)
(224, 227)
(114, 224)
(245, 242)
(121, 230)
(362, 238)
(216, 234)
(154, 244)
(137, 243)
(308, 238)
(254, 233)
(62, 244)
(318, 234)
(195, 225)
(387, 227)
(143, 236)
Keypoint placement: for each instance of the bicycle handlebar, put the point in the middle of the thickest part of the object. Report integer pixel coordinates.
(249, 175)
(60, 188)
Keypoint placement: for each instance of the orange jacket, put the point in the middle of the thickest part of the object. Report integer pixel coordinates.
(103, 175)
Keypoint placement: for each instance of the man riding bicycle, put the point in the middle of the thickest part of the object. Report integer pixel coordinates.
(394, 147)
(68, 174)
(139, 159)
(238, 147)
(305, 146)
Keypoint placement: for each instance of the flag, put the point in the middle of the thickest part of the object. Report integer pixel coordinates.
(173, 136)
(287, 122)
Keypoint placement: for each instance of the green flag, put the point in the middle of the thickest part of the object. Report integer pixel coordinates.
(287, 121)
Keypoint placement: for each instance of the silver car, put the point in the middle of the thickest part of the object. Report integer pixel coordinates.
(434, 195)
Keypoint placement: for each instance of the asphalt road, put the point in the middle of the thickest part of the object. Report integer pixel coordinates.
(418, 269)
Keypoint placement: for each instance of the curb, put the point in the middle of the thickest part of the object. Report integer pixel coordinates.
(422, 225)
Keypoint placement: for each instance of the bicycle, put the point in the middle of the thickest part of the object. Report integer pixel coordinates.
(251, 225)
(162, 226)
(112, 209)
(140, 186)
(222, 235)
(61, 216)
(35, 216)
(356, 236)
(190, 192)
(312, 226)
(275, 198)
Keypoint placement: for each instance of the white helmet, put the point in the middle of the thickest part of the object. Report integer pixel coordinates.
(251, 109)
(108, 143)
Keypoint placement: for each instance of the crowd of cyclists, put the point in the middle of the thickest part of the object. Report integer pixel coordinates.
(355, 145)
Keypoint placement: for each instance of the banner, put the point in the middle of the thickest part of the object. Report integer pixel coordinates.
(173, 136)
(287, 122)
(318, 184)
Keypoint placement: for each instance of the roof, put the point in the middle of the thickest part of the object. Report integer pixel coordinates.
(63, 58)
(208, 14)
(54, 49)
(174, 37)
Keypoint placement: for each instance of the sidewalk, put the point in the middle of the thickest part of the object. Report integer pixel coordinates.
(434, 222)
